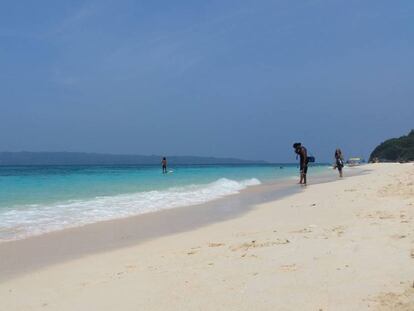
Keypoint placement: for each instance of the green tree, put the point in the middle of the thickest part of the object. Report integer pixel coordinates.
(395, 149)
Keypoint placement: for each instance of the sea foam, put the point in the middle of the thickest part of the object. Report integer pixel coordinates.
(31, 220)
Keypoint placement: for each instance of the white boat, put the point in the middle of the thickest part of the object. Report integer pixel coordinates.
(354, 161)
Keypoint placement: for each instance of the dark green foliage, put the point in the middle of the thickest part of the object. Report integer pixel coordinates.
(395, 149)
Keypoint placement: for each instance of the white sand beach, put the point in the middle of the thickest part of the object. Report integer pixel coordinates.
(342, 245)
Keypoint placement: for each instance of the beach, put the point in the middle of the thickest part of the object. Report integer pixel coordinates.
(340, 245)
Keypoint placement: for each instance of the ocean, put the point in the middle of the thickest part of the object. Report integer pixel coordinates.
(40, 199)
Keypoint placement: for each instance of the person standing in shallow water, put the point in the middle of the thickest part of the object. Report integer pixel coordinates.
(339, 161)
(303, 155)
(164, 165)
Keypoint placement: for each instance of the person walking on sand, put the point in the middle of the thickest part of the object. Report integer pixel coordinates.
(164, 165)
(339, 161)
(303, 164)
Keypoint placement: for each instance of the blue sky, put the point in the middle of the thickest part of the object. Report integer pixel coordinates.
(216, 78)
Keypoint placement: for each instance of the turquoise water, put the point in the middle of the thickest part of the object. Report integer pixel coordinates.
(38, 199)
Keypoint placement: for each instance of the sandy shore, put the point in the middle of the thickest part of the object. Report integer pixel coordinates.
(344, 245)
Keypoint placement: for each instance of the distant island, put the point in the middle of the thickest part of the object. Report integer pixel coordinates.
(80, 158)
(395, 150)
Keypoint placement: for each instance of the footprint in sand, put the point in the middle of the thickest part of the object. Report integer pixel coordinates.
(288, 268)
(339, 230)
(194, 250)
(255, 244)
(304, 230)
(215, 244)
(350, 190)
(251, 255)
(380, 215)
(404, 218)
(395, 301)
(386, 216)
(398, 236)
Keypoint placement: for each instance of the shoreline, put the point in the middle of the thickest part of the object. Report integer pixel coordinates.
(34, 251)
(18, 223)
(341, 245)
